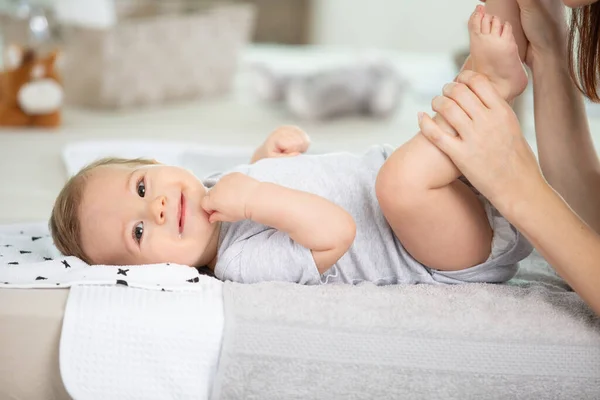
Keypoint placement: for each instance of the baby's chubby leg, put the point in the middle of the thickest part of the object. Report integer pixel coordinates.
(438, 219)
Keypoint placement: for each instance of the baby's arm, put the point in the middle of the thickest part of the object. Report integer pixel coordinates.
(310, 220)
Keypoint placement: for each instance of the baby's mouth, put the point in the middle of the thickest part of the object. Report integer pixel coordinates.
(181, 213)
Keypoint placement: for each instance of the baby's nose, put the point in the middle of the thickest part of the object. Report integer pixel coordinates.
(158, 207)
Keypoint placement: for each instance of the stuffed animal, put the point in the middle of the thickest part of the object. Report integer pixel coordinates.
(30, 89)
(371, 88)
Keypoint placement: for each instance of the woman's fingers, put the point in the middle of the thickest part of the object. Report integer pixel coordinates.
(453, 114)
(446, 142)
(482, 87)
(465, 98)
(492, 153)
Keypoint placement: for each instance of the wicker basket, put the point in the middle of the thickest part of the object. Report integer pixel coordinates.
(153, 59)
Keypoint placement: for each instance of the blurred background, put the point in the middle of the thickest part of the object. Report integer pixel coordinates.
(353, 23)
(350, 72)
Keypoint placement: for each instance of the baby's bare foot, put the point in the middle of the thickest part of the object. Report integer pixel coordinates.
(495, 53)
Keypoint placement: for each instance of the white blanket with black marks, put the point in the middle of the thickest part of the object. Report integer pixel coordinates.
(28, 259)
(129, 332)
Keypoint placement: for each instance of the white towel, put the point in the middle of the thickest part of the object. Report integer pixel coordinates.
(124, 343)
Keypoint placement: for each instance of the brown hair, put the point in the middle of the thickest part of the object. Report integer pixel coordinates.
(64, 222)
(584, 49)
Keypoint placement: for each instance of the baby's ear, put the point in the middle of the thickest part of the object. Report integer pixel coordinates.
(13, 57)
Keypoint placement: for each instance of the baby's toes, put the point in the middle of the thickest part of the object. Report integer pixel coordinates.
(475, 21)
(486, 24)
(507, 32)
(496, 26)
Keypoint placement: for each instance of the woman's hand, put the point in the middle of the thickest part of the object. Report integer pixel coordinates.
(490, 150)
(285, 141)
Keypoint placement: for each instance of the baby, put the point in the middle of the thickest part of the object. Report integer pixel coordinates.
(387, 216)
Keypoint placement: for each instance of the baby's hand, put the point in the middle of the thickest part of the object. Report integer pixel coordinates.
(227, 200)
(285, 141)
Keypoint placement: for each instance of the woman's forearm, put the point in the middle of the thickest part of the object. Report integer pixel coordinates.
(565, 241)
(565, 148)
(310, 220)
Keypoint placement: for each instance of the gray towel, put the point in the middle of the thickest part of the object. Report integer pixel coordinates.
(531, 338)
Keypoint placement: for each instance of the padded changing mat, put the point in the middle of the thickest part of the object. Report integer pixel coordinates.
(530, 339)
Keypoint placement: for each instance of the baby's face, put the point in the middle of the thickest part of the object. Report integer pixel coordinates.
(144, 215)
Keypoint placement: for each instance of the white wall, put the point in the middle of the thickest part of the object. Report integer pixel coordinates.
(407, 25)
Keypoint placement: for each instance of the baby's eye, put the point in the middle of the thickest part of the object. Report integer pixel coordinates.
(141, 188)
(138, 232)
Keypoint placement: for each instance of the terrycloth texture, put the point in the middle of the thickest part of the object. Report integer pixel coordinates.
(123, 343)
(531, 339)
(28, 259)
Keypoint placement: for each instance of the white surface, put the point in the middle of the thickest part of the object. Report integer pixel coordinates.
(405, 25)
(124, 343)
(201, 160)
(91, 13)
(32, 174)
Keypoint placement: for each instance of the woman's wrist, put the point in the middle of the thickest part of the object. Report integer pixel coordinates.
(549, 59)
(550, 48)
(517, 203)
